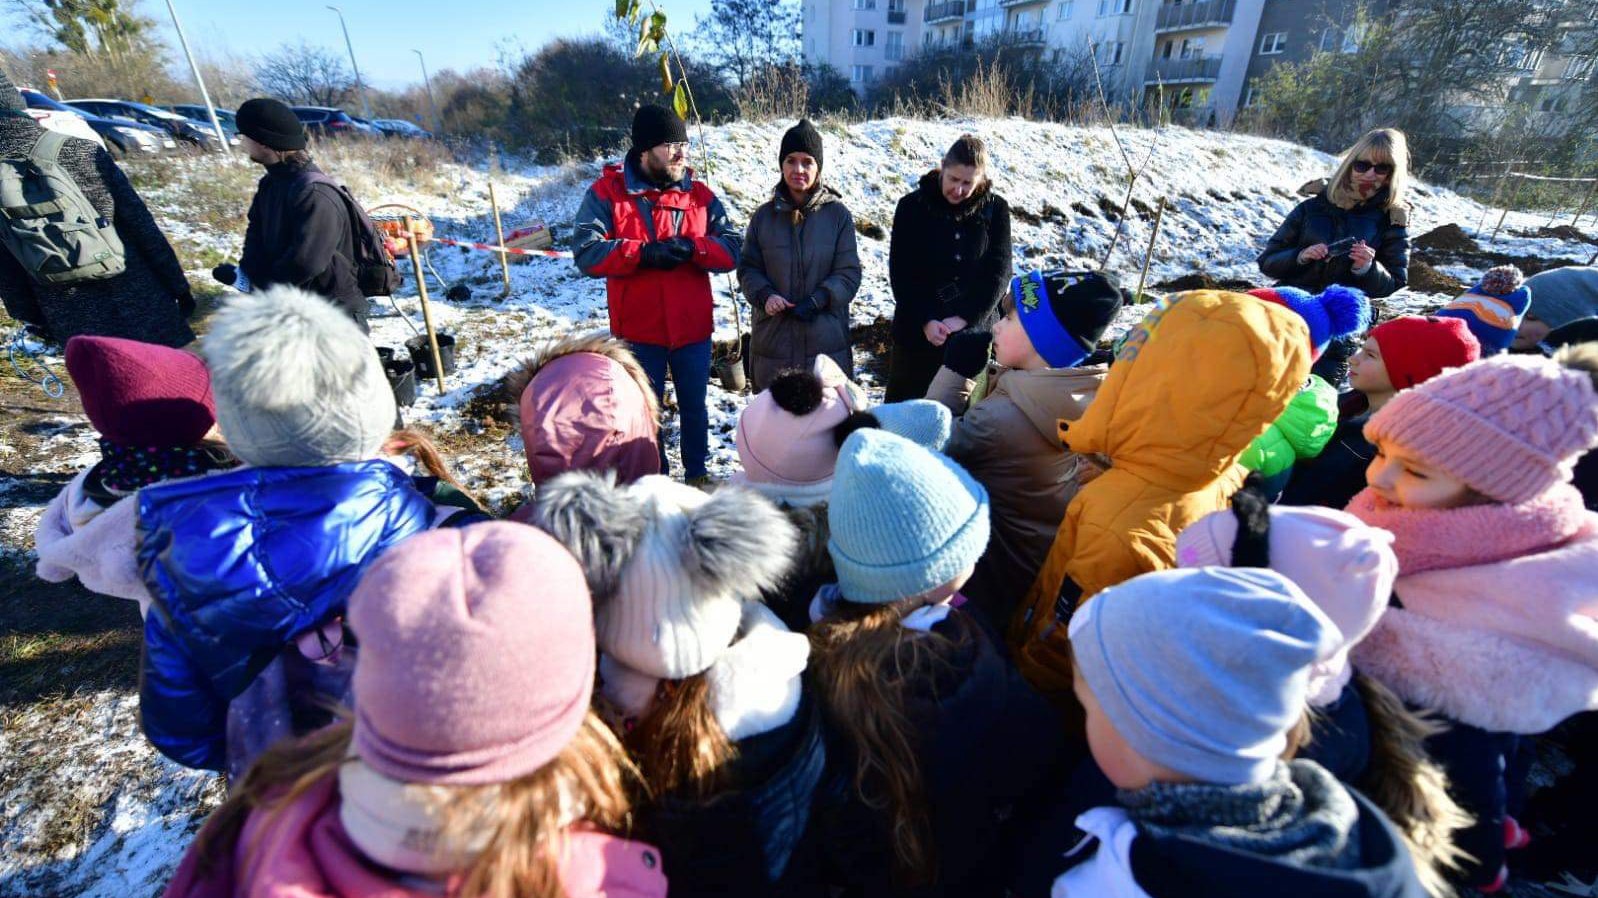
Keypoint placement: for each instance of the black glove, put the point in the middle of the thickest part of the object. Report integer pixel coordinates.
(806, 309)
(186, 305)
(661, 255)
(226, 273)
(681, 247)
(966, 352)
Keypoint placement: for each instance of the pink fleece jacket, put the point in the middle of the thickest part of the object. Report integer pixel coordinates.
(77, 537)
(1502, 640)
(302, 851)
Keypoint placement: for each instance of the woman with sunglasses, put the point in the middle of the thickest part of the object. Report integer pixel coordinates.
(1353, 231)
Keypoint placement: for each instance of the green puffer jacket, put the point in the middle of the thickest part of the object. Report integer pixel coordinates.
(1301, 432)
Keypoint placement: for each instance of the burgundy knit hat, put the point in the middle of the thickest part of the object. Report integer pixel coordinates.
(476, 663)
(140, 394)
(1417, 348)
(1511, 427)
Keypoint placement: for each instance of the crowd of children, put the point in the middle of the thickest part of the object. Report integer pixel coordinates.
(1039, 633)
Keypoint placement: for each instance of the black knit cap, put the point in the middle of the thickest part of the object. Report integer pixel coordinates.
(801, 138)
(272, 124)
(654, 125)
(1086, 307)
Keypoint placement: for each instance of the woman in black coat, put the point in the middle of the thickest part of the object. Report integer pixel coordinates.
(149, 301)
(1353, 230)
(948, 262)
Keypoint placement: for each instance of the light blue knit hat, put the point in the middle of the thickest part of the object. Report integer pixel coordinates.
(924, 422)
(1216, 703)
(903, 519)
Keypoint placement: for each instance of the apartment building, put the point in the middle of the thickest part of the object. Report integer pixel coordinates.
(1197, 57)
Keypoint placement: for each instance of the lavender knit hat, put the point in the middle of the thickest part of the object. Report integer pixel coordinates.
(476, 663)
(1511, 427)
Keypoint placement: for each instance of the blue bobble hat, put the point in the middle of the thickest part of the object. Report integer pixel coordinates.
(1065, 312)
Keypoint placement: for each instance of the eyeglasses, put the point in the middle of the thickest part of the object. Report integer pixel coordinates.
(1364, 165)
(675, 148)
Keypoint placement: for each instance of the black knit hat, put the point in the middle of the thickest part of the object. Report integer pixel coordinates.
(801, 138)
(272, 124)
(1064, 313)
(654, 125)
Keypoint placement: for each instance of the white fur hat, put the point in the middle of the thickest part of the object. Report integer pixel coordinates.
(670, 566)
(296, 382)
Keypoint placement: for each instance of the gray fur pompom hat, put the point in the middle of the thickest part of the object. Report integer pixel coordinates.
(296, 382)
(670, 567)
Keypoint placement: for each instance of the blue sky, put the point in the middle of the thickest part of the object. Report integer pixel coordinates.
(458, 34)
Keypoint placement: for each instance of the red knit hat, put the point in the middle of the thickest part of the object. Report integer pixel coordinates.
(1417, 348)
(140, 394)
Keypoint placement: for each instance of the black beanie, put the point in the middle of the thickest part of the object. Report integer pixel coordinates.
(654, 125)
(271, 123)
(801, 138)
(1084, 302)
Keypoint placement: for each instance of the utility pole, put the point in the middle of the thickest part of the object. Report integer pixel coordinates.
(360, 85)
(438, 123)
(216, 124)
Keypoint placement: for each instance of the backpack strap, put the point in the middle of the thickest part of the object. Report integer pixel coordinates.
(46, 152)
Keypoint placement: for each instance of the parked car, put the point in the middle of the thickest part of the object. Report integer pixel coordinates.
(198, 135)
(122, 138)
(198, 113)
(398, 127)
(58, 116)
(325, 121)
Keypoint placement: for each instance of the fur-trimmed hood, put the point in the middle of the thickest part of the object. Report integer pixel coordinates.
(582, 402)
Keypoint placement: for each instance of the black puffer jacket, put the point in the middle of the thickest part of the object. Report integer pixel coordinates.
(300, 234)
(149, 301)
(1318, 220)
(947, 260)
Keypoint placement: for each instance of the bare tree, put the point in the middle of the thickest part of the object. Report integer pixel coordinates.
(741, 38)
(300, 73)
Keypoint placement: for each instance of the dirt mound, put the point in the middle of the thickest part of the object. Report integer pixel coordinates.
(1201, 281)
(1450, 238)
(1425, 279)
(1562, 232)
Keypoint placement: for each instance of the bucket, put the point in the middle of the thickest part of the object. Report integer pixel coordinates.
(731, 373)
(401, 374)
(422, 356)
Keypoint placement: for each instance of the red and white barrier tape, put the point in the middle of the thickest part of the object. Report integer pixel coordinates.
(491, 248)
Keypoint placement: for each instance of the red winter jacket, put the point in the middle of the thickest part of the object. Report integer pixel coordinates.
(619, 214)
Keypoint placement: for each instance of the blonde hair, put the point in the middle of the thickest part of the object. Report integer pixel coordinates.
(522, 857)
(1387, 145)
(679, 745)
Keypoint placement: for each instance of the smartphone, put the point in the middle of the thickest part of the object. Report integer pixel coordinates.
(1340, 248)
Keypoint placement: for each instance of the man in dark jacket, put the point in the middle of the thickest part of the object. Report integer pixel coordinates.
(149, 301)
(656, 235)
(300, 232)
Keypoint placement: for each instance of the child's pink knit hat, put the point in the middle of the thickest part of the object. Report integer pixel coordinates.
(476, 661)
(785, 435)
(1509, 426)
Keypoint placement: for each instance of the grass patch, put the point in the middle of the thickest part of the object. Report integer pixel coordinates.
(62, 639)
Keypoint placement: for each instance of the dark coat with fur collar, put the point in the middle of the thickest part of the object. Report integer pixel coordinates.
(947, 260)
(1319, 220)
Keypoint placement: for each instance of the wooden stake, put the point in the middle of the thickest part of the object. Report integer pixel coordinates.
(1514, 197)
(421, 290)
(499, 230)
(1582, 209)
(1159, 215)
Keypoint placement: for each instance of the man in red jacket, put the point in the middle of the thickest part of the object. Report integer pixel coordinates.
(655, 234)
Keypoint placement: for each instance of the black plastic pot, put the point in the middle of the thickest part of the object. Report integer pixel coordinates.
(401, 374)
(731, 373)
(422, 356)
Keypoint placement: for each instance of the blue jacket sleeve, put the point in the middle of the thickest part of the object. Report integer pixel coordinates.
(178, 712)
(596, 253)
(1280, 258)
(720, 231)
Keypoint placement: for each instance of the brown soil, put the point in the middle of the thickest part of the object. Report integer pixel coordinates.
(1561, 232)
(1425, 279)
(1448, 238)
(1201, 281)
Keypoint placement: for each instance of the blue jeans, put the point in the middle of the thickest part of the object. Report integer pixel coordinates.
(690, 371)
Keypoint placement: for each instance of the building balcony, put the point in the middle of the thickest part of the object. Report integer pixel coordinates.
(895, 17)
(1184, 71)
(944, 12)
(1203, 14)
(1028, 37)
(1009, 3)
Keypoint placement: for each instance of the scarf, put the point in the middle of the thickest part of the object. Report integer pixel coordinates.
(921, 620)
(1300, 814)
(125, 469)
(1427, 539)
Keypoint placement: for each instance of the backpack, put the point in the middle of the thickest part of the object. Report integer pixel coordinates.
(51, 228)
(375, 273)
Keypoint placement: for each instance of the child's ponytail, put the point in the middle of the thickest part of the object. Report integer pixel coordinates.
(679, 745)
(417, 444)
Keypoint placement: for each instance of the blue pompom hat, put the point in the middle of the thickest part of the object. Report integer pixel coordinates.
(904, 520)
(1493, 308)
(1335, 312)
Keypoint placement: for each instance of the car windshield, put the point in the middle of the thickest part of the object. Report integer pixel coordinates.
(152, 111)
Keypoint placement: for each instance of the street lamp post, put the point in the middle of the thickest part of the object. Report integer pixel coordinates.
(359, 85)
(216, 124)
(438, 123)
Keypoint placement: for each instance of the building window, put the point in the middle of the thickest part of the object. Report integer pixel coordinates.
(1193, 48)
(864, 37)
(1111, 52)
(1578, 68)
(1553, 103)
(893, 46)
(1115, 7)
(861, 74)
(1248, 97)
(865, 4)
(1273, 43)
(1328, 40)
(895, 5)
(1062, 11)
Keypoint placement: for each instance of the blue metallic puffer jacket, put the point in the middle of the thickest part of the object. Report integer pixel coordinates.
(239, 563)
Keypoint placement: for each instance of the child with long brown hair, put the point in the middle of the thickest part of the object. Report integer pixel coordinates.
(479, 772)
(703, 682)
(941, 741)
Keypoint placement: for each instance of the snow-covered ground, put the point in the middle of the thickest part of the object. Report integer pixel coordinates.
(84, 769)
